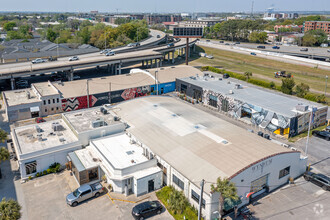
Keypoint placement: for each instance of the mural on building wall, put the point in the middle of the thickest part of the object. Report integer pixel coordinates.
(103, 98)
(259, 116)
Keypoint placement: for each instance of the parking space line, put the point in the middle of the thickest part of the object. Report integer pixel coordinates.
(123, 200)
(110, 198)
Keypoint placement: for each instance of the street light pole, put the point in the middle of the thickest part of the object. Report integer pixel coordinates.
(326, 82)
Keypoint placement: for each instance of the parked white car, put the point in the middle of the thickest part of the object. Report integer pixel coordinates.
(73, 58)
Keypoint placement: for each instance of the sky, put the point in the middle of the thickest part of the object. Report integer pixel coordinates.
(160, 6)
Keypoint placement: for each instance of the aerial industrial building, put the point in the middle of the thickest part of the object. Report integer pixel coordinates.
(275, 112)
(49, 98)
(144, 143)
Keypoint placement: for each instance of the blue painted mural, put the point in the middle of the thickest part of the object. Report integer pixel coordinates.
(163, 88)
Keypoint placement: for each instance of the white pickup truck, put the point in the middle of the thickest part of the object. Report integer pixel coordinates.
(83, 193)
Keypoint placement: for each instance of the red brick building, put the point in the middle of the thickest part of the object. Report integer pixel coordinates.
(314, 25)
(293, 28)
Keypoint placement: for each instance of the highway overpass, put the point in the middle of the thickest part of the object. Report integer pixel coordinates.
(149, 57)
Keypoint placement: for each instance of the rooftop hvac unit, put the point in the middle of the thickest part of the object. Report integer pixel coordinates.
(301, 107)
(98, 123)
(62, 140)
(39, 130)
(57, 126)
(28, 95)
(231, 92)
(103, 110)
(131, 141)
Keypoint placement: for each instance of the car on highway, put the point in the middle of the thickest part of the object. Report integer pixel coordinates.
(209, 56)
(221, 42)
(304, 49)
(146, 209)
(226, 76)
(170, 45)
(328, 50)
(276, 47)
(74, 58)
(134, 44)
(319, 179)
(111, 53)
(52, 58)
(237, 42)
(38, 60)
(261, 47)
(105, 51)
(322, 134)
(226, 43)
(207, 40)
(254, 54)
(158, 36)
(83, 193)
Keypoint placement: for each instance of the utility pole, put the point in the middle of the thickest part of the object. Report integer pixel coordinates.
(201, 200)
(87, 93)
(326, 82)
(105, 40)
(252, 9)
(110, 93)
(309, 129)
(57, 49)
(187, 50)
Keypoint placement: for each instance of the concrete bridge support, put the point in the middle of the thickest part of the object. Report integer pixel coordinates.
(12, 82)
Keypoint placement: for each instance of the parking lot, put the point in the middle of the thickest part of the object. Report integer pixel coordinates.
(303, 200)
(44, 198)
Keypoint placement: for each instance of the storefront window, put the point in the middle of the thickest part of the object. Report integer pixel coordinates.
(31, 167)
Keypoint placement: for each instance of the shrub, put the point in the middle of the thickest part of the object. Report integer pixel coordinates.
(44, 172)
(302, 89)
(49, 171)
(55, 167)
(38, 174)
(30, 177)
(272, 85)
(287, 86)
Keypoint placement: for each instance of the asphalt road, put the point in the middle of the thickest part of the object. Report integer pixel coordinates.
(283, 48)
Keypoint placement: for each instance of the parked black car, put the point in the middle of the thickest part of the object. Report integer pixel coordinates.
(146, 209)
(318, 179)
(226, 76)
(322, 134)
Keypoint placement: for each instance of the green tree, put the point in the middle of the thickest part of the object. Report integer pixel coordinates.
(227, 190)
(85, 34)
(4, 155)
(9, 26)
(315, 38)
(248, 75)
(3, 135)
(51, 35)
(9, 209)
(302, 89)
(287, 85)
(258, 37)
(177, 201)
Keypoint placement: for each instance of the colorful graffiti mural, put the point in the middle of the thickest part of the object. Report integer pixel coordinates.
(76, 103)
(265, 119)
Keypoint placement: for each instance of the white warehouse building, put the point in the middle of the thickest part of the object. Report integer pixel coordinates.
(191, 145)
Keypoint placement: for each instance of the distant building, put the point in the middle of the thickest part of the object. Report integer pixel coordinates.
(158, 18)
(292, 28)
(199, 23)
(317, 25)
(94, 12)
(274, 16)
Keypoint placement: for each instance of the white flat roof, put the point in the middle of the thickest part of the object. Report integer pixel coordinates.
(88, 157)
(20, 97)
(119, 151)
(197, 144)
(81, 120)
(28, 136)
